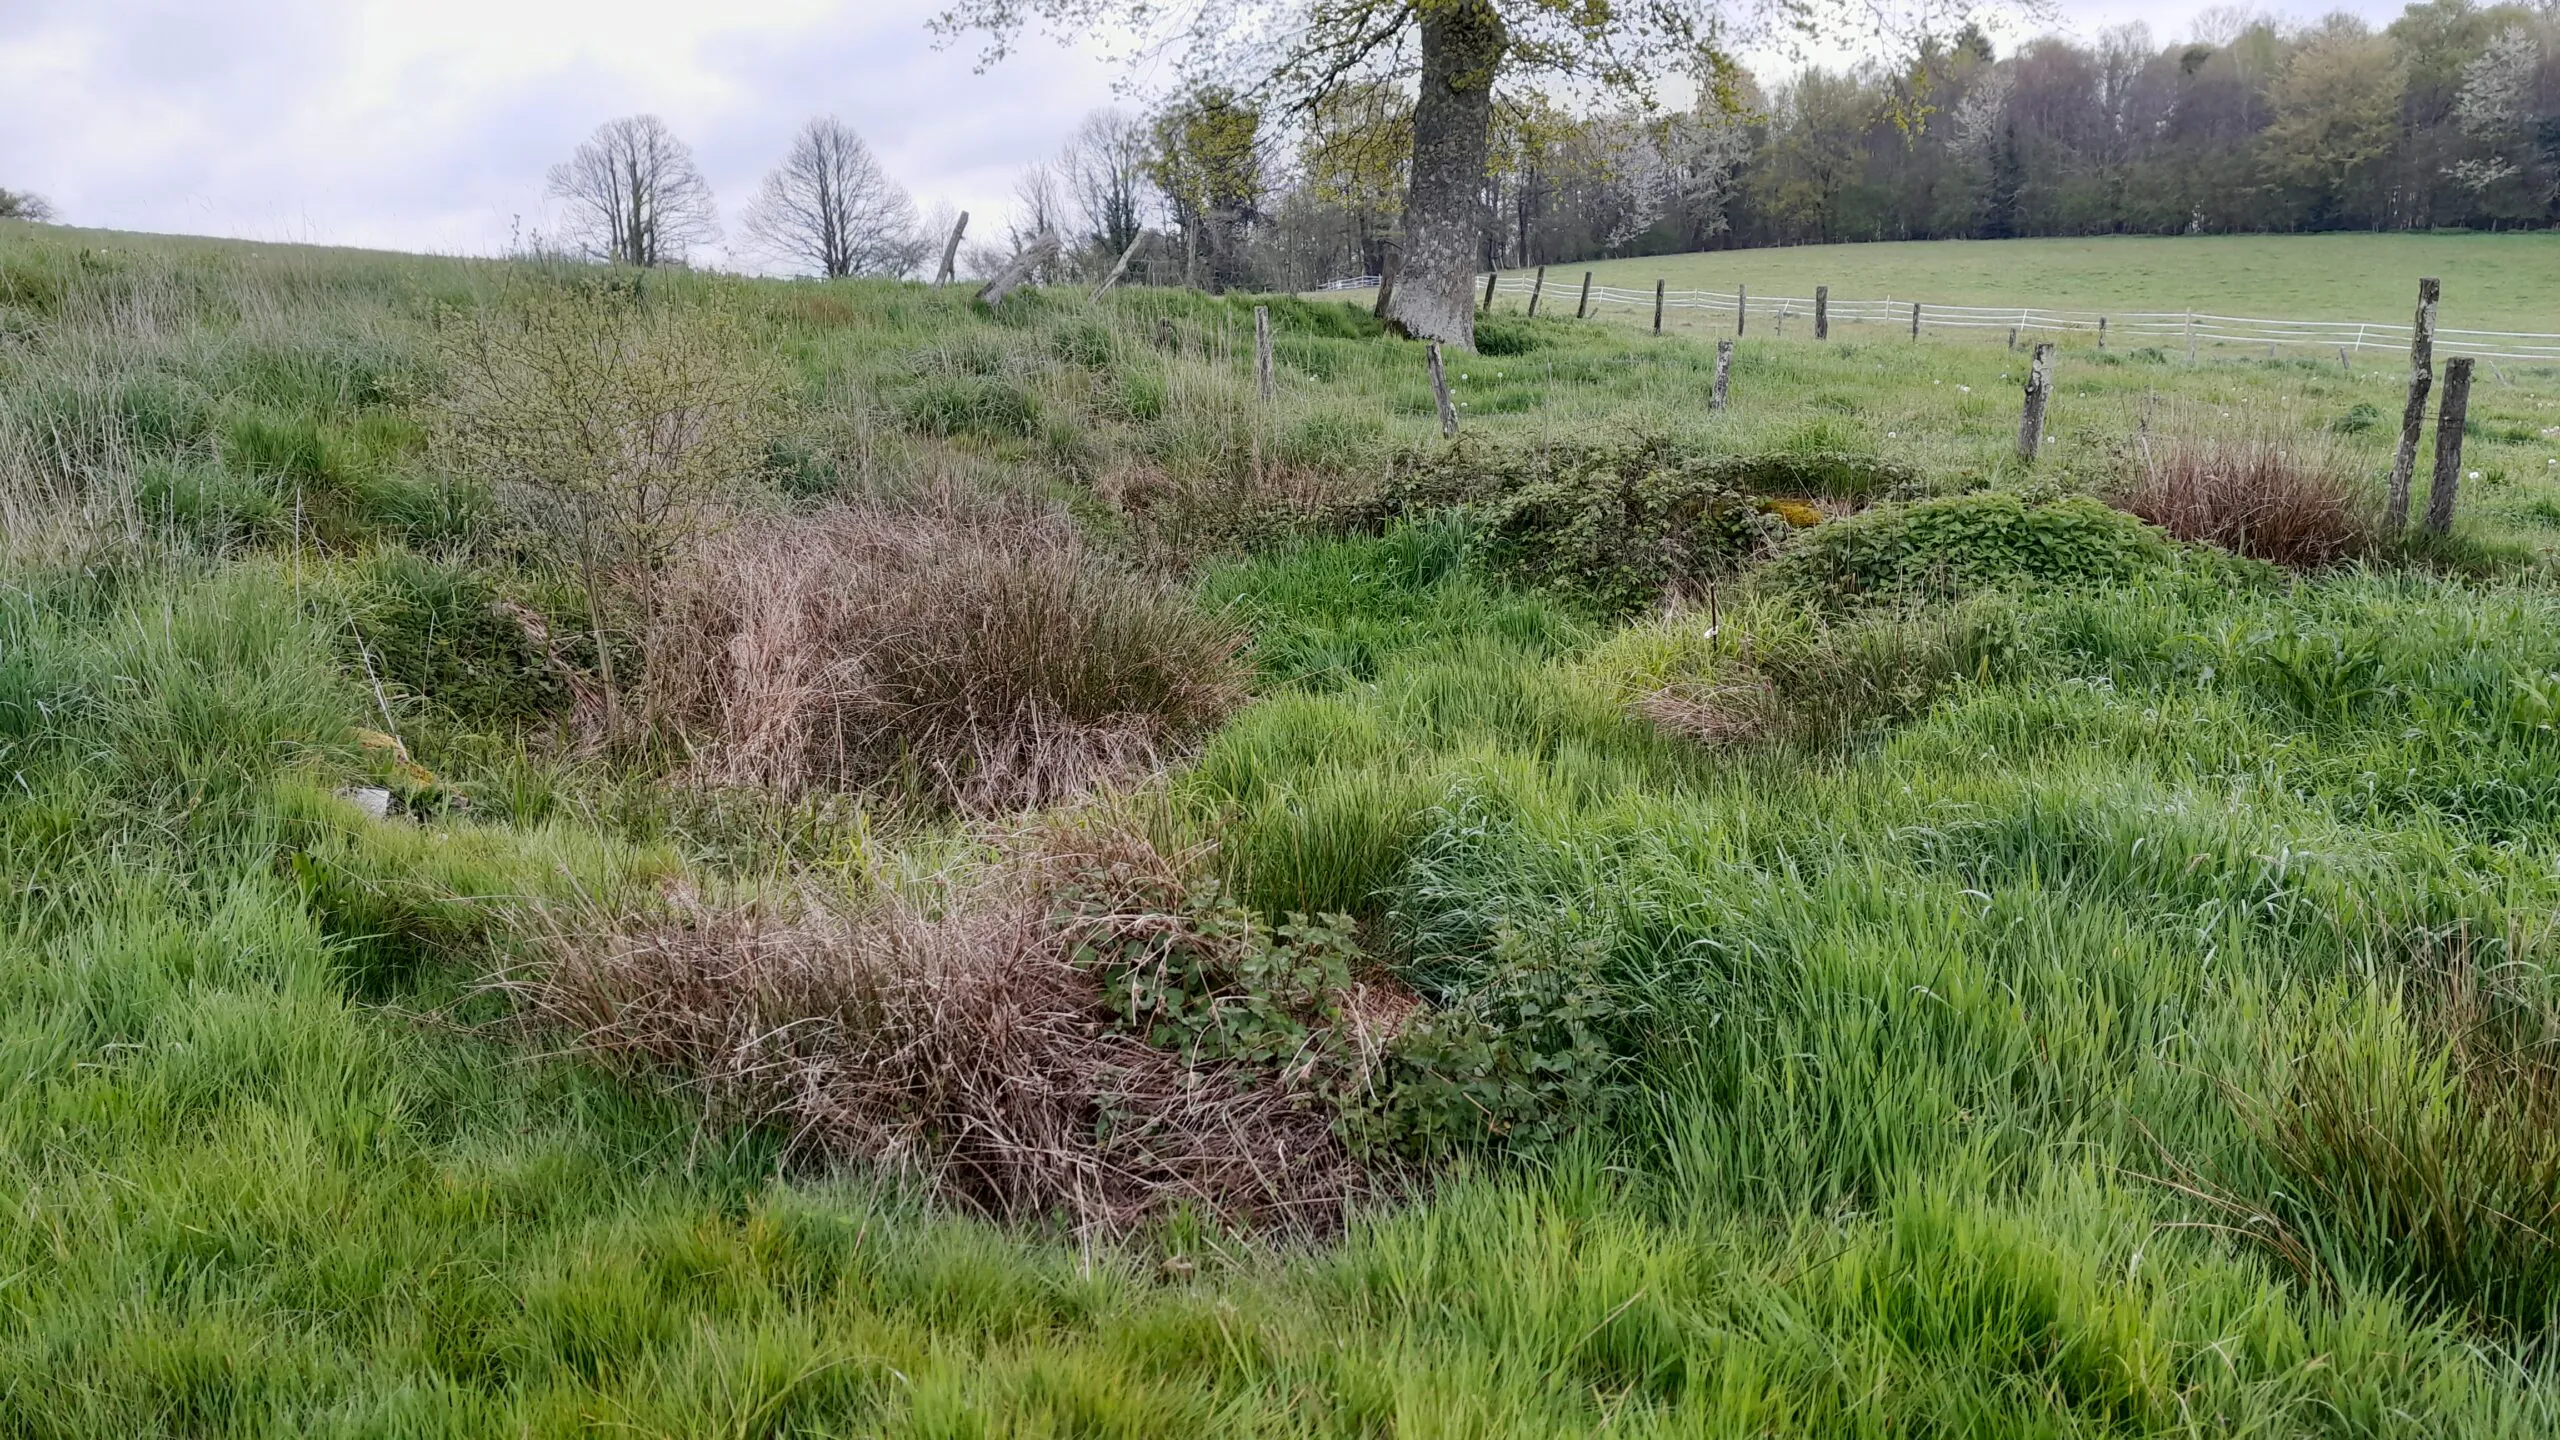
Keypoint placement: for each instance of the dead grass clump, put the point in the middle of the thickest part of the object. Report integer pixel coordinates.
(971, 646)
(973, 1042)
(2282, 495)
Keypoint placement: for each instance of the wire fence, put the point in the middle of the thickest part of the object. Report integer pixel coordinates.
(2165, 329)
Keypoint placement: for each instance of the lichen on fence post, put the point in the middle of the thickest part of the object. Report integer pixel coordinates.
(2413, 414)
(2039, 390)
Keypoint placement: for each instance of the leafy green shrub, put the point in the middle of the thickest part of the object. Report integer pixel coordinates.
(440, 632)
(979, 405)
(1526, 1053)
(1969, 542)
(1612, 526)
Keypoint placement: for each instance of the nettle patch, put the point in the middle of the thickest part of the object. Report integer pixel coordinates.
(1620, 528)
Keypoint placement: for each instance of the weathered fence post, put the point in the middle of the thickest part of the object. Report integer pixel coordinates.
(1019, 271)
(1724, 374)
(1390, 265)
(1821, 312)
(1262, 349)
(2345, 361)
(1120, 269)
(1582, 307)
(1537, 288)
(1657, 305)
(2013, 337)
(1915, 319)
(2450, 415)
(951, 251)
(2191, 337)
(1491, 278)
(1741, 307)
(1440, 392)
(1165, 338)
(2039, 390)
(2102, 333)
(2413, 414)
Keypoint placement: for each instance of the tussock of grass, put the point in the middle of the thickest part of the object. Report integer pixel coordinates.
(980, 647)
(2285, 495)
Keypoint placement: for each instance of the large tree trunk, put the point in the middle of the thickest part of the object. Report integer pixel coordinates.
(1462, 46)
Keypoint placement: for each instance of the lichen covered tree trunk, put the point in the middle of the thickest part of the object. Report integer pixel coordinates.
(1462, 46)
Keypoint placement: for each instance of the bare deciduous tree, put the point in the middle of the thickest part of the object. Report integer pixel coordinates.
(833, 211)
(1105, 169)
(635, 196)
(24, 205)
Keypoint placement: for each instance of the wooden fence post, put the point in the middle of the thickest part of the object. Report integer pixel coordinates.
(1165, 338)
(1657, 305)
(1582, 307)
(2013, 337)
(1440, 392)
(1724, 374)
(1821, 312)
(2413, 414)
(2345, 361)
(1120, 269)
(1915, 319)
(2191, 337)
(1741, 307)
(1492, 278)
(2450, 414)
(951, 252)
(1019, 271)
(2102, 334)
(2039, 390)
(1536, 289)
(1390, 265)
(1262, 349)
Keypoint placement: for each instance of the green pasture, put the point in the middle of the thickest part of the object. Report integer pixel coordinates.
(2123, 1010)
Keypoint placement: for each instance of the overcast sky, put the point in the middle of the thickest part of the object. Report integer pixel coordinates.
(428, 124)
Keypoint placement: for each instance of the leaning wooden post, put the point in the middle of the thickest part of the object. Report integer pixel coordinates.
(2191, 337)
(1262, 349)
(1657, 305)
(1389, 265)
(1724, 375)
(1741, 307)
(1440, 392)
(1821, 312)
(2413, 414)
(1119, 269)
(1492, 278)
(1019, 270)
(1537, 288)
(2450, 415)
(2039, 390)
(1915, 319)
(1582, 307)
(2013, 337)
(951, 251)
(2102, 333)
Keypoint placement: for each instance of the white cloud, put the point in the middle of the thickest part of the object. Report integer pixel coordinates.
(415, 126)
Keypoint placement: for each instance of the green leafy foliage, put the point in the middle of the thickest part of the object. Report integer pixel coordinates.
(1959, 543)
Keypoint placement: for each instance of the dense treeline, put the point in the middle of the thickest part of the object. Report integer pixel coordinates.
(2448, 116)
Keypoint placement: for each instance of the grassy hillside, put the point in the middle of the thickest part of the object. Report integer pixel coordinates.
(2491, 282)
(1777, 922)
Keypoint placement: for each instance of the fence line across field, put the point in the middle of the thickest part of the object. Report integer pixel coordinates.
(2127, 328)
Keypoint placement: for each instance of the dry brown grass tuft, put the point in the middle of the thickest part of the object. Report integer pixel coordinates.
(972, 646)
(969, 1043)
(2285, 495)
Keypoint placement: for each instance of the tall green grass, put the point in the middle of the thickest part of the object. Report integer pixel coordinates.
(2055, 1046)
